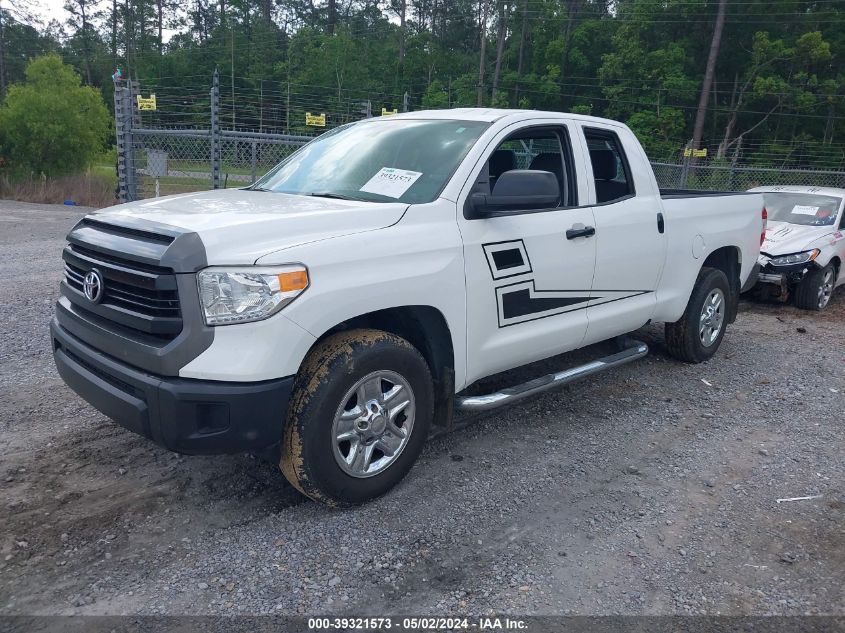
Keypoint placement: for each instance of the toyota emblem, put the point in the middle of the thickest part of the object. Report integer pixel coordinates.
(92, 286)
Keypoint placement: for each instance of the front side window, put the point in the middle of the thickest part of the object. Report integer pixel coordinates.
(542, 149)
(807, 209)
(380, 160)
(610, 167)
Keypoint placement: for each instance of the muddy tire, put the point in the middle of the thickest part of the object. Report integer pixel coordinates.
(813, 293)
(696, 336)
(360, 412)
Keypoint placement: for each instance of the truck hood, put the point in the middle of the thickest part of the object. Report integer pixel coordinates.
(238, 226)
(783, 238)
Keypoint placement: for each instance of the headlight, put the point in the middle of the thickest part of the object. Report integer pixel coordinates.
(796, 258)
(248, 294)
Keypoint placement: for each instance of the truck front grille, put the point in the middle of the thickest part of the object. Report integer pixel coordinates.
(136, 295)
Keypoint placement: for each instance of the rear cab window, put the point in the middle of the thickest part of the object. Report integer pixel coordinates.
(611, 171)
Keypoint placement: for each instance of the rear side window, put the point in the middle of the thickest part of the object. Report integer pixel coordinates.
(611, 172)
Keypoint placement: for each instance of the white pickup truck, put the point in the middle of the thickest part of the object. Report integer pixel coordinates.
(338, 308)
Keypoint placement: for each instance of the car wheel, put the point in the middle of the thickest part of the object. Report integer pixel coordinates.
(697, 335)
(360, 413)
(816, 288)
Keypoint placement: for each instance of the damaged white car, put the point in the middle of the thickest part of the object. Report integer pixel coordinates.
(801, 256)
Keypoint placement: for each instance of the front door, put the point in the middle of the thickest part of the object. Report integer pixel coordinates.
(528, 284)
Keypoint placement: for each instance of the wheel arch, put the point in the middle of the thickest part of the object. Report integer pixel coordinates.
(728, 259)
(425, 327)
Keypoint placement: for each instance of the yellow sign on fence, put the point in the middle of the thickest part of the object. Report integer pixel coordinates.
(386, 112)
(318, 120)
(146, 104)
(697, 153)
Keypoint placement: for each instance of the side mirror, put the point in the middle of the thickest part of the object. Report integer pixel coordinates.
(517, 190)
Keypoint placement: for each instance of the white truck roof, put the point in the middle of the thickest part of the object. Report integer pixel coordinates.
(490, 115)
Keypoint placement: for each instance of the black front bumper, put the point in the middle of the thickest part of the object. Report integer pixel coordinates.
(183, 415)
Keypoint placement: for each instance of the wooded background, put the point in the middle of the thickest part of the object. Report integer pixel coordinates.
(756, 81)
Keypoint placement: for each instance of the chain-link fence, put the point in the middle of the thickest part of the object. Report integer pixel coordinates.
(155, 161)
(179, 161)
(740, 178)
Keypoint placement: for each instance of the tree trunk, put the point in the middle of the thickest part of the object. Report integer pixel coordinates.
(828, 128)
(521, 54)
(86, 48)
(2, 56)
(403, 9)
(571, 12)
(483, 36)
(715, 42)
(267, 10)
(222, 12)
(114, 31)
(332, 17)
(500, 47)
(129, 31)
(160, 11)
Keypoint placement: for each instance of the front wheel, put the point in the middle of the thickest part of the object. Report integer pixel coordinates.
(696, 336)
(815, 289)
(360, 413)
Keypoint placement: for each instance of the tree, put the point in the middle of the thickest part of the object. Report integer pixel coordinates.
(82, 12)
(22, 12)
(500, 48)
(715, 42)
(50, 123)
(483, 39)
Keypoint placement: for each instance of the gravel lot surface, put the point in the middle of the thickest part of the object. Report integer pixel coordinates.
(651, 489)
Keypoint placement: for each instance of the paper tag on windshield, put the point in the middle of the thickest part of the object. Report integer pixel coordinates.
(802, 209)
(391, 182)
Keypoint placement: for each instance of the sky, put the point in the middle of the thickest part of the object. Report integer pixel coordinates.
(47, 10)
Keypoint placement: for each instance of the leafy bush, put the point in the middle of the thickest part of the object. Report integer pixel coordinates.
(50, 124)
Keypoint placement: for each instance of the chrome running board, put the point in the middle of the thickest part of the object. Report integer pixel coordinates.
(633, 351)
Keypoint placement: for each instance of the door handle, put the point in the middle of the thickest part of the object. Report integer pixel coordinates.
(586, 231)
(660, 224)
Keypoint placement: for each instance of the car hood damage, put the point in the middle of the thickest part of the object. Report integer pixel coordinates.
(239, 226)
(783, 238)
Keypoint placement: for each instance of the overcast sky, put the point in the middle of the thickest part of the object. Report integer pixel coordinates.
(47, 10)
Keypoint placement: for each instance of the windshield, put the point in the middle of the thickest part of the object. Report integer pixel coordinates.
(809, 209)
(381, 160)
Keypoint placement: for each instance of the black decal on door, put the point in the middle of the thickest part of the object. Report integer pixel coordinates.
(507, 259)
(521, 302)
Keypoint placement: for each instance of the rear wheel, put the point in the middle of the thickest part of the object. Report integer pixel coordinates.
(359, 416)
(815, 289)
(697, 335)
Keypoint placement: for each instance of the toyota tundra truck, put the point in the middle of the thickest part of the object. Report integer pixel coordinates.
(340, 307)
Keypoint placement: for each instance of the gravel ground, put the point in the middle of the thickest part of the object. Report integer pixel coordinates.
(651, 489)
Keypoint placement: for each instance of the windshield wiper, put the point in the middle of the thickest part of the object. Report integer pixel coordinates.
(259, 189)
(336, 196)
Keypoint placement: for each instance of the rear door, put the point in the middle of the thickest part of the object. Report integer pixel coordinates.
(527, 285)
(630, 232)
